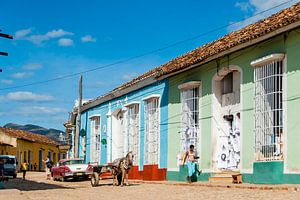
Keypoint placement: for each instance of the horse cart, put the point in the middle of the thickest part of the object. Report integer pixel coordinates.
(117, 170)
(101, 172)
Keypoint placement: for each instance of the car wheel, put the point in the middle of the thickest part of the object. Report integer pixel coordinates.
(95, 179)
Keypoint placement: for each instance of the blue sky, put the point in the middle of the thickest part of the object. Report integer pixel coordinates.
(56, 38)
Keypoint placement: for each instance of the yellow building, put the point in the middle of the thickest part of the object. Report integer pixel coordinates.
(30, 147)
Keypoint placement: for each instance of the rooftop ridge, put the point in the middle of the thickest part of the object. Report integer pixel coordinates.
(253, 31)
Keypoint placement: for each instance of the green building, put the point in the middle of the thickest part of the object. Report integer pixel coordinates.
(237, 100)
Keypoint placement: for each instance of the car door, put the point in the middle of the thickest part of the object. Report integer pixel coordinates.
(61, 169)
(55, 171)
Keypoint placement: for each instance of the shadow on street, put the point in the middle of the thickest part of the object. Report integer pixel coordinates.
(28, 185)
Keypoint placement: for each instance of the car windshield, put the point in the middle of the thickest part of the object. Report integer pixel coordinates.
(8, 160)
(74, 162)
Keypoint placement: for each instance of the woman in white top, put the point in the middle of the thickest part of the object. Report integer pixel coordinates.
(191, 157)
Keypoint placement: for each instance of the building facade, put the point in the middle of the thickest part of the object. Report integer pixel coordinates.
(29, 147)
(137, 122)
(236, 99)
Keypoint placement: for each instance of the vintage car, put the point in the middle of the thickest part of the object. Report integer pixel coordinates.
(71, 168)
(10, 165)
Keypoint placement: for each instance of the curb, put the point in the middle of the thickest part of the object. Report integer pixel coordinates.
(229, 186)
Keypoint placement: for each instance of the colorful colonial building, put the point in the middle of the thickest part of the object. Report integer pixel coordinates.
(236, 99)
(30, 147)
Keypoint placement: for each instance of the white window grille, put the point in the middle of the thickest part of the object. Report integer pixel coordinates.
(190, 116)
(133, 130)
(151, 130)
(95, 140)
(269, 108)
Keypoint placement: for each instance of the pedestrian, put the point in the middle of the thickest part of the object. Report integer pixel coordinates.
(35, 166)
(47, 167)
(24, 168)
(191, 157)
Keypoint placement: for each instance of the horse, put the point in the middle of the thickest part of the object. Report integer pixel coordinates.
(121, 168)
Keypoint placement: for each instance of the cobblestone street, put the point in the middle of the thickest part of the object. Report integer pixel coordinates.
(36, 187)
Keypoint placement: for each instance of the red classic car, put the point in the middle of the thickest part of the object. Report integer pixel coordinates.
(71, 168)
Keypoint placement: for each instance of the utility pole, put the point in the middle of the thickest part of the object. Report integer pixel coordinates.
(78, 121)
(8, 37)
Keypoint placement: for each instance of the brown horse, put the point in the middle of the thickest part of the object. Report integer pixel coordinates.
(121, 168)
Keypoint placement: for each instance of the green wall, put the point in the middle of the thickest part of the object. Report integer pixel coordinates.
(204, 73)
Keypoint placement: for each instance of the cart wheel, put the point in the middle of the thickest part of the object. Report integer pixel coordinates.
(95, 179)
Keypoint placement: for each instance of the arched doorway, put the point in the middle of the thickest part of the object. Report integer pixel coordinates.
(226, 108)
(118, 133)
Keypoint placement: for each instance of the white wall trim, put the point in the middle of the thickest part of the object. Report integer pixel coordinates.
(189, 85)
(131, 103)
(285, 116)
(95, 115)
(151, 97)
(266, 59)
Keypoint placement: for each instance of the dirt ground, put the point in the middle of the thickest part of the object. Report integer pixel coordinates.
(36, 188)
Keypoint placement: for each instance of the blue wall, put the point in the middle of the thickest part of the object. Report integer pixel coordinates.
(159, 88)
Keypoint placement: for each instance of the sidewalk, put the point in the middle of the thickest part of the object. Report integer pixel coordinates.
(284, 187)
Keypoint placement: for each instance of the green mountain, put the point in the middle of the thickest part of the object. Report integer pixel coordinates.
(51, 133)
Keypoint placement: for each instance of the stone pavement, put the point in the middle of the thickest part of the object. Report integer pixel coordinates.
(36, 187)
(283, 187)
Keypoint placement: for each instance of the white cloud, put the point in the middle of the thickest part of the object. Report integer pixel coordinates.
(21, 75)
(65, 42)
(34, 111)
(20, 34)
(88, 38)
(58, 33)
(40, 38)
(7, 81)
(129, 76)
(32, 66)
(40, 110)
(26, 96)
(244, 6)
(258, 6)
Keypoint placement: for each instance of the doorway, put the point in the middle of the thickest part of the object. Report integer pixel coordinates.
(118, 133)
(226, 135)
(41, 156)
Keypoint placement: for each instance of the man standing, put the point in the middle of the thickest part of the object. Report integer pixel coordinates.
(24, 168)
(47, 167)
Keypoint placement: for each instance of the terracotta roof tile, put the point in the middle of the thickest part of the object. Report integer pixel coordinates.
(32, 137)
(200, 54)
(250, 32)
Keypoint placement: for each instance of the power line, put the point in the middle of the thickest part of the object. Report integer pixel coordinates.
(144, 54)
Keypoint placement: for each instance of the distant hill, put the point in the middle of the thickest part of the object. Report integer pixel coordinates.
(51, 133)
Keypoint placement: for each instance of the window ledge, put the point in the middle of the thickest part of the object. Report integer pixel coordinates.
(267, 59)
(189, 85)
(151, 97)
(131, 103)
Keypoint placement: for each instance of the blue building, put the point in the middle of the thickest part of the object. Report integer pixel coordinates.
(130, 118)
